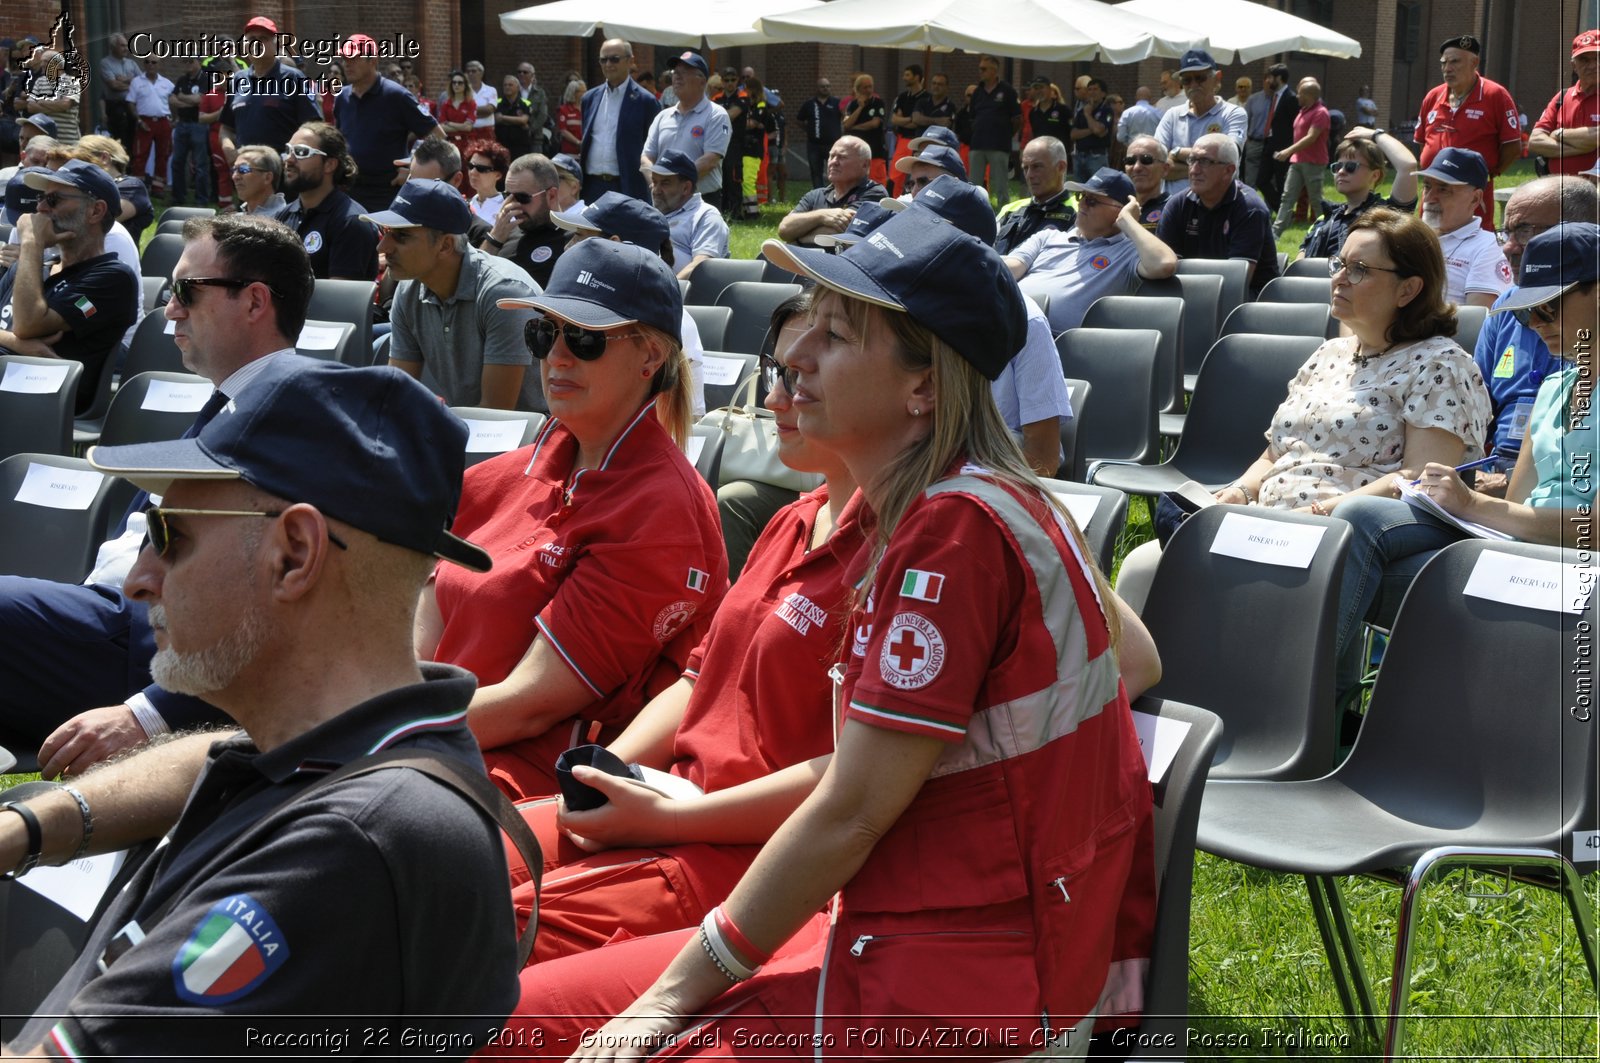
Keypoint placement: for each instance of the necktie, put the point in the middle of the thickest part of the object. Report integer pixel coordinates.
(1272, 107)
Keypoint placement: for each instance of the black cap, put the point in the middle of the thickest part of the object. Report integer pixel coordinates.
(1466, 42)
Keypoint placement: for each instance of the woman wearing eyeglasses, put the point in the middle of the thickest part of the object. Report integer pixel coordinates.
(979, 841)
(1358, 168)
(487, 161)
(458, 110)
(1550, 497)
(608, 554)
(257, 177)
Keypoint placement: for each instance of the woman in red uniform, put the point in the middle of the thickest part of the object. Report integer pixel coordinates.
(981, 834)
(608, 552)
(457, 111)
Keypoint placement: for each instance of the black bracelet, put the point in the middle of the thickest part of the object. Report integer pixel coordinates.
(497, 243)
(35, 838)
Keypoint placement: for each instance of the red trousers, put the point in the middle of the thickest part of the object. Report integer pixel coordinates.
(157, 131)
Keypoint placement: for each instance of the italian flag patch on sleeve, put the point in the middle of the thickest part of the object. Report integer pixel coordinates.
(85, 307)
(697, 580)
(923, 586)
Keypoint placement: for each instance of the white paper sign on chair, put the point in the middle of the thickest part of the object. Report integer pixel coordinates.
(1270, 542)
(494, 437)
(722, 371)
(693, 447)
(24, 378)
(46, 485)
(1531, 582)
(176, 396)
(1082, 507)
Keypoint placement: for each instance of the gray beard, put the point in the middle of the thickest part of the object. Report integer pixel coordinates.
(215, 668)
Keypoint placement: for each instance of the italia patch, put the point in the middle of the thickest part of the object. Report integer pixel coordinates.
(85, 307)
(912, 653)
(697, 580)
(923, 586)
(235, 948)
(313, 242)
(671, 620)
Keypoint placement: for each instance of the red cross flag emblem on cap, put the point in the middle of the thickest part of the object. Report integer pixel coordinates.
(1587, 41)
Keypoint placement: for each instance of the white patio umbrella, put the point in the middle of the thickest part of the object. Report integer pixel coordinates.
(1240, 31)
(1055, 30)
(684, 24)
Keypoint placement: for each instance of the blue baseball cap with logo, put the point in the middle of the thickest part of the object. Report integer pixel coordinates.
(946, 158)
(936, 134)
(368, 446)
(695, 61)
(945, 280)
(20, 198)
(423, 202)
(42, 122)
(631, 220)
(1457, 166)
(1197, 60)
(569, 165)
(1555, 261)
(1113, 184)
(85, 177)
(869, 215)
(963, 205)
(602, 284)
(675, 163)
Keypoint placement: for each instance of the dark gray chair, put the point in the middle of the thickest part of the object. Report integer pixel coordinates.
(1073, 463)
(1469, 322)
(712, 321)
(341, 300)
(170, 225)
(152, 349)
(1306, 267)
(39, 940)
(160, 255)
(185, 213)
(47, 542)
(1235, 274)
(1202, 301)
(1104, 524)
(38, 421)
(705, 451)
(1297, 290)
(485, 439)
(150, 292)
(1165, 315)
(333, 341)
(1244, 379)
(1120, 364)
(1278, 319)
(732, 369)
(752, 303)
(714, 274)
(138, 417)
(772, 273)
(1460, 762)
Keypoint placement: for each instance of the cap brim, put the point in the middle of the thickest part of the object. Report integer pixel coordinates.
(836, 240)
(154, 467)
(391, 220)
(1074, 186)
(43, 182)
(573, 221)
(582, 312)
(459, 551)
(406, 162)
(895, 205)
(1438, 176)
(830, 271)
(1528, 298)
(1196, 70)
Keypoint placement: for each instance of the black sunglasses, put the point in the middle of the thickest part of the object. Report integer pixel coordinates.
(1546, 313)
(183, 288)
(1143, 160)
(160, 533)
(477, 167)
(585, 344)
(527, 197)
(1344, 166)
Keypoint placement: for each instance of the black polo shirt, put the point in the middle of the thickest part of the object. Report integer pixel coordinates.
(868, 191)
(1150, 212)
(1091, 144)
(267, 110)
(992, 112)
(377, 906)
(1239, 226)
(340, 244)
(98, 299)
(821, 120)
(376, 123)
(536, 250)
(1053, 120)
(909, 103)
(1327, 235)
(196, 84)
(1019, 224)
(873, 137)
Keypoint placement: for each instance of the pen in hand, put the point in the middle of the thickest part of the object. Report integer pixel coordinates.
(1480, 463)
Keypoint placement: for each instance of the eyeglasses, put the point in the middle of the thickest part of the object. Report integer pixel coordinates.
(914, 183)
(52, 200)
(1203, 161)
(774, 372)
(613, 58)
(585, 344)
(528, 197)
(1194, 79)
(1343, 166)
(1086, 201)
(242, 170)
(453, 84)
(303, 151)
(159, 532)
(478, 167)
(1142, 160)
(1357, 271)
(184, 288)
(1520, 233)
(1546, 313)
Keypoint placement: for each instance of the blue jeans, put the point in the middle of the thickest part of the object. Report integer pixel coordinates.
(191, 146)
(1084, 163)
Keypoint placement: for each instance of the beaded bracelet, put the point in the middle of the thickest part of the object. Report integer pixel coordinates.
(705, 943)
(727, 962)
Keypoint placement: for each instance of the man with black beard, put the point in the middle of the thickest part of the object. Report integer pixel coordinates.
(523, 231)
(316, 167)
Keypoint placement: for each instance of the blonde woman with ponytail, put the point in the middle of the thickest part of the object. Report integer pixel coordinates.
(608, 552)
(979, 844)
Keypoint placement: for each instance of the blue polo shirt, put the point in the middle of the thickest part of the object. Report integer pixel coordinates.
(340, 244)
(375, 124)
(267, 110)
(1514, 362)
(1239, 226)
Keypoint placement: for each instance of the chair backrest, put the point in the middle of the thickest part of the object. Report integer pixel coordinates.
(100, 400)
(1177, 812)
(343, 300)
(1469, 322)
(714, 274)
(333, 341)
(1253, 640)
(39, 940)
(154, 406)
(36, 401)
(170, 225)
(1120, 364)
(752, 303)
(724, 372)
(773, 273)
(1100, 513)
(1306, 267)
(493, 431)
(712, 322)
(150, 292)
(1244, 379)
(54, 511)
(185, 213)
(1483, 710)
(1297, 290)
(1073, 462)
(1277, 319)
(5, 232)
(1235, 274)
(704, 450)
(1162, 313)
(160, 255)
(152, 348)
(1202, 301)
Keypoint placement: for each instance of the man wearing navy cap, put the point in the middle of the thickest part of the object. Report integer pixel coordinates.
(1104, 253)
(282, 576)
(929, 164)
(1469, 111)
(828, 209)
(444, 314)
(1182, 127)
(88, 299)
(1476, 270)
(695, 126)
(698, 229)
(376, 115)
(617, 115)
(1044, 171)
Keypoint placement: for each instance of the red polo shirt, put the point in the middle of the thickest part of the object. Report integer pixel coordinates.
(1571, 109)
(1485, 119)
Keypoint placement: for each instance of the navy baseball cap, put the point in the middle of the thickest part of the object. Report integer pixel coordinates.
(425, 203)
(602, 284)
(569, 165)
(936, 134)
(947, 281)
(370, 447)
(614, 214)
(86, 177)
(1553, 262)
(1113, 184)
(695, 60)
(1197, 60)
(42, 122)
(675, 163)
(1457, 166)
(869, 215)
(21, 199)
(946, 158)
(961, 204)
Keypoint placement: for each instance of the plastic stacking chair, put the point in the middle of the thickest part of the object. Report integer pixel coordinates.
(1103, 513)
(152, 349)
(170, 225)
(712, 321)
(1235, 274)
(44, 540)
(1161, 313)
(714, 274)
(36, 400)
(752, 303)
(1306, 267)
(1073, 462)
(154, 406)
(1469, 322)
(333, 341)
(160, 255)
(1478, 750)
(1202, 302)
(1252, 640)
(1297, 290)
(1244, 379)
(341, 300)
(493, 431)
(1120, 364)
(150, 292)
(725, 374)
(772, 273)
(1277, 319)
(185, 213)
(704, 451)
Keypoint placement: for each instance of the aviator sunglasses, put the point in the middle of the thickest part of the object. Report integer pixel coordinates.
(585, 344)
(160, 533)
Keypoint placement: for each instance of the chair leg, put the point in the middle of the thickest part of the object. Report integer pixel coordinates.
(1344, 960)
